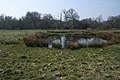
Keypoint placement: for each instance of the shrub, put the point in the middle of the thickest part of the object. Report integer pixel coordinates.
(115, 38)
(38, 40)
(34, 42)
(104, 35)
(41, 42)
(96, 45)
(30, 41)
(112, 38)
(41, 35)
(58, 45)
(72, 45)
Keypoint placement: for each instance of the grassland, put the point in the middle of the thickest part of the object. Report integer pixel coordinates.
(18, 62)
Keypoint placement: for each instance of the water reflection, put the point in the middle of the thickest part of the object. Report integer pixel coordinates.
(91, 41)
(63, 40)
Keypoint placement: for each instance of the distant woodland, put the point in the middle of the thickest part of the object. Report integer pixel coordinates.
(68, 19)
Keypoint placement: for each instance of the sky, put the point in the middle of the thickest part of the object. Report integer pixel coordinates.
(85, 8)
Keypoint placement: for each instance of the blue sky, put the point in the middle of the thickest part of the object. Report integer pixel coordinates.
(85, 8)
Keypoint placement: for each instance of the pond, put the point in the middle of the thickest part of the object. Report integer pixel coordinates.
(63, 40)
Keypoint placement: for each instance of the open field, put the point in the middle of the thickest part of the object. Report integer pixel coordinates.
(18, 62)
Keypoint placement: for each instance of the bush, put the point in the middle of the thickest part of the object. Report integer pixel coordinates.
(112, 38)
(73, 45)
(58, 45)
(115, 38)
(97, 45)
(41, 42)
(38, 40)
(30, 41)
(41, 35)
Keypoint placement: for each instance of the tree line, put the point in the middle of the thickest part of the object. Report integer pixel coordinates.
(68, 19)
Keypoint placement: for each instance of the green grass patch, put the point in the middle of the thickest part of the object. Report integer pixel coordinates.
(18, 62)
(21, 62)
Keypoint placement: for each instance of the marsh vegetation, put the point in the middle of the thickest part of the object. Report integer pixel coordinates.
(71, 39)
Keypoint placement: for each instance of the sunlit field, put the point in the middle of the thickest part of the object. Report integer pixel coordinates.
(18, 62)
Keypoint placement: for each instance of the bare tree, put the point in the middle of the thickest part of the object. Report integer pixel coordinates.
(71, 15)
